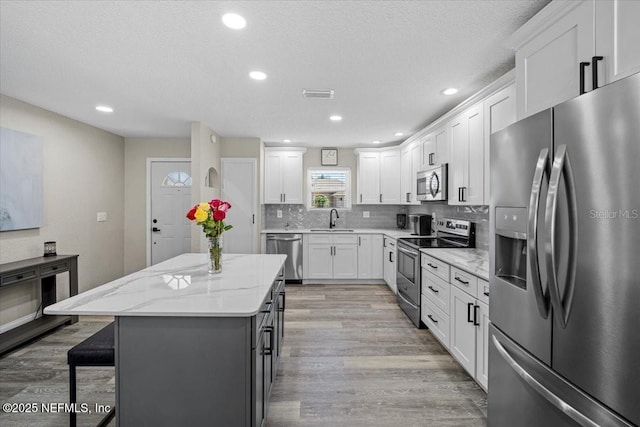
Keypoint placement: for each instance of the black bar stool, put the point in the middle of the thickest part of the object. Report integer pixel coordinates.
(97, 350)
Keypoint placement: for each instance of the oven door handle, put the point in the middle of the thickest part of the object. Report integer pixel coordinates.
(412, 253)
(406, 300)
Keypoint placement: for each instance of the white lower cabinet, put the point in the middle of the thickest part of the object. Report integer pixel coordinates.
(370, 252)
(455, 307)
(330, 256)
(389, 264)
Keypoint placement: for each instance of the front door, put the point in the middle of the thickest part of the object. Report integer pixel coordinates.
(170, 202)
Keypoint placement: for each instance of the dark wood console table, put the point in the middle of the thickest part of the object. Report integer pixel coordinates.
(44, 269)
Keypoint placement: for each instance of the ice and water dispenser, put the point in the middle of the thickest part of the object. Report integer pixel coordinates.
(511, 245)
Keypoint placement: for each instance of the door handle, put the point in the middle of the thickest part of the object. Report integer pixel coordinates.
(560, 404)
(475, 315)
(432, 319)
(464, 282)
(155, 229)
(469, 319)
(594, 71)
(542, 169)
(561, 167)
(583, 65)
(434, 290)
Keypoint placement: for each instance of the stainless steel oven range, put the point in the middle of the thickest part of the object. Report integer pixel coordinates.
(450, 233)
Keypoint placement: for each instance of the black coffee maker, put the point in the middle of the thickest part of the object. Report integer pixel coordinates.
(401, 221)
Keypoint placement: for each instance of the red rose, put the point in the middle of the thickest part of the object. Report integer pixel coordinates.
(192, 213)
(215, 203)
(219, 215)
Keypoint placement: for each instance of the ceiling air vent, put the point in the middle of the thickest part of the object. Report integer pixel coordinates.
(317, 94)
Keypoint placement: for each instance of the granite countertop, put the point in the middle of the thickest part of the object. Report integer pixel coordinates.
(181, 286)
(393, 233)
(474, 261)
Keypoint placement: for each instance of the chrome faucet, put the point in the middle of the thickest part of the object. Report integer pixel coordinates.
(332, 222)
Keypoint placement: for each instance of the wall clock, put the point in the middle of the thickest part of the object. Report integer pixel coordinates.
(329, 157)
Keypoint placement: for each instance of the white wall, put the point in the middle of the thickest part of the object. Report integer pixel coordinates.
(83, 174)
(205, 154)
(136, 152)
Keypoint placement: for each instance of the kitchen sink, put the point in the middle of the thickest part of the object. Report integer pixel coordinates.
(331, 230)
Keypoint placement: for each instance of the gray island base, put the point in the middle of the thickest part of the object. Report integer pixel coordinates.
(210, 359)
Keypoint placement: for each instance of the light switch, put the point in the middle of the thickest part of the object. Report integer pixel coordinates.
(279, 213)
(101, 217)
(365, 214)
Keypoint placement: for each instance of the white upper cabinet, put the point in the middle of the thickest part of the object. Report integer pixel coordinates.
(390, 177)
(283, 176)
(499, 112)
(368, 177)
(617, 36)
(558, 50)
(435, 148)
(378, 177)
(410, 164)
(466, 171)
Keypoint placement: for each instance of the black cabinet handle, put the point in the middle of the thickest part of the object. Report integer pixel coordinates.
(594, 70)
(269, 351)
(155, 229)
(435, 291)
(475, 315)
(284, 300)
(380, 198)
(432, 266)
(431, 162)
(390, 260)
(268, 309)
(54, 268)
(469, 319)
(19, 277)
(486, 294)
(583, 65)
(461, 281)
(461, 195)
(432, 319)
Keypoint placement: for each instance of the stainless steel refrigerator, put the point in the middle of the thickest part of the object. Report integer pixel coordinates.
(565, 264)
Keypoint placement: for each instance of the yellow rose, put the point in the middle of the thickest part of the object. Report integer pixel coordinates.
(204, 206)
(201, 215)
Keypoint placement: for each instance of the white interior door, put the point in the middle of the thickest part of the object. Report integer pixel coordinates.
(170, 201)
(239, 189)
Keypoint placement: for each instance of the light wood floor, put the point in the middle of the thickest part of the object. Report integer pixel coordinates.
(351, 358)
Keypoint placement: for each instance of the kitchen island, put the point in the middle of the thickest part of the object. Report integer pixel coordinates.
(193, 348)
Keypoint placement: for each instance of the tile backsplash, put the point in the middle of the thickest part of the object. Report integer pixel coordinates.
(380, 216)
(477, 214)
(297, 216)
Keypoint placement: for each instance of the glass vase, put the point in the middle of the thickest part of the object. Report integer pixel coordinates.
(215, 254)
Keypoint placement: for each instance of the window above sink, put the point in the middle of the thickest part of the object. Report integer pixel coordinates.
(328, 188)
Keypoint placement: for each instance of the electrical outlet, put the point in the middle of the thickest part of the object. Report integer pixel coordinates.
(365, 214)
(279, 213)
(101, 216)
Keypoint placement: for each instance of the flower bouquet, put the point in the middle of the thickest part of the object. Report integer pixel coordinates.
(211, 217)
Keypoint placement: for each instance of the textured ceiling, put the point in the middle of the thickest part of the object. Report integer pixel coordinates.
(163, 65)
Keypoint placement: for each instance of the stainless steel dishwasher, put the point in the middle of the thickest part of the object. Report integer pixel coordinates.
(291, 246)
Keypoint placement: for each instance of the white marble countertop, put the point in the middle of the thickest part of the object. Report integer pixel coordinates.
(393, 233)
(181, 286)
(474, 261)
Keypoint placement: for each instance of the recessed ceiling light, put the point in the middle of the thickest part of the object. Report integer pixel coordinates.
(257, 75)
(450, 91)
(104, 109)
(375, 142)
(286, 140)
(234, 21)
(335, 118)
(398, 134)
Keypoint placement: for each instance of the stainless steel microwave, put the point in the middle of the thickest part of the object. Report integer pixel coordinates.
(432, 184)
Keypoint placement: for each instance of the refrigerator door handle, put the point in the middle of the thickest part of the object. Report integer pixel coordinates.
(542, 169)
(561, 167)
(563, 406)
